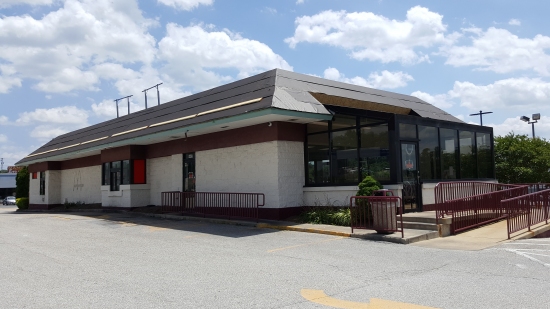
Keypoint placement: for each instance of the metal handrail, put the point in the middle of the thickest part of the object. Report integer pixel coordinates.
(526, 210)
(215, 204)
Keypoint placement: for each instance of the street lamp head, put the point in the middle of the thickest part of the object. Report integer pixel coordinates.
(524, 118)
(536, 116)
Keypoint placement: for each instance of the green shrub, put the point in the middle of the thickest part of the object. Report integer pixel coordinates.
(368, 186)
(68, 205)
(326, 215)
(22, 203)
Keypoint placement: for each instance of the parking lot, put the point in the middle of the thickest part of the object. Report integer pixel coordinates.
(111, 260)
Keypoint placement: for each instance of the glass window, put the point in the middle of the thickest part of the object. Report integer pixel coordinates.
(115, 176)
(369, 121)
(106, 174)
(318, 150)
(344, 144)
(343, 121)
(467, 155)
(407, 131)
(374, 152)
(428, 152)
(320, 126)
(126, 172)
(449, 144)
(484, 155)
(42, 183)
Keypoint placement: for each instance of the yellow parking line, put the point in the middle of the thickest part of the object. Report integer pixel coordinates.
(307, 244)
(319, 297)
(62, 218)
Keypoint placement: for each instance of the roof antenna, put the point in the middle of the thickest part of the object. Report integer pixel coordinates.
(116, 101)
(158, 94)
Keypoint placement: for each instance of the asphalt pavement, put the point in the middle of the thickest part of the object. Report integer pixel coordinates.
(98, 260)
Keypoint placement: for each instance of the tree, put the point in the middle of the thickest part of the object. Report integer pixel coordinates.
(520, 159)
(22, 183)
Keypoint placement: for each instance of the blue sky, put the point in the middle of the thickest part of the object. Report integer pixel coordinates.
(63, 62)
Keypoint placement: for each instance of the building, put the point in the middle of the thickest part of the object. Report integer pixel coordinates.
(299, 139)
(7, 185)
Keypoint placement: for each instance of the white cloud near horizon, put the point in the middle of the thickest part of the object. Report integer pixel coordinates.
(515, 125)
(514, 22)
(511, 93)
(380, 80)
(374, 37)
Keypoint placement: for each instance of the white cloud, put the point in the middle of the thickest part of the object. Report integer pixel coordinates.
(8, 82)
(8, 3)
(374, 37)
(193, 54)
(500, 51)
(74, 38)
(514, 22)
(57, 115)
(3, 120)
(107, 108)
(48, 132)
(269, 10)
(3, 138)
(185, 5)
(53, 122)
(508, 93)
(440, 100)
(300, 1)
(383, 80)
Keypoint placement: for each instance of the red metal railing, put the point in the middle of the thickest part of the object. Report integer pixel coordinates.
(215, 204)
(527, 210)
(471, 204)
(380, 213)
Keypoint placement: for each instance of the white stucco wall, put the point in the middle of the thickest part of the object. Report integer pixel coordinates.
(274, 168)
(81, 185)
(337, 196)
(162, 174)
(52, 191)
(34, 191)
(128, 196)
(290, 173)
(328, 196)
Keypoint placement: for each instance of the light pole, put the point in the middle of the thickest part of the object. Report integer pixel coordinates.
(535, 118)
(481, 113)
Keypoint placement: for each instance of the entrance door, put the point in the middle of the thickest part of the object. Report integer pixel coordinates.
(412, 192)
(189, 176)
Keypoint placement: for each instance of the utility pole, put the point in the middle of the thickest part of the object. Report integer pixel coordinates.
(481, 113)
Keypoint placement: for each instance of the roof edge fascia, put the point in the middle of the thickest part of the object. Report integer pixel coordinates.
(198, 126)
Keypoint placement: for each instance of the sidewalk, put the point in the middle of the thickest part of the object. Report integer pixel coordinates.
(482, 237)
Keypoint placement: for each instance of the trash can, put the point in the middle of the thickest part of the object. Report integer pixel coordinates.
(384, 213)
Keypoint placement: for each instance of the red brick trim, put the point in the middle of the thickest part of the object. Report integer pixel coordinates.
(282, 131)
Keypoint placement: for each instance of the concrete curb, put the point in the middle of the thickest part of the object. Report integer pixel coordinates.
(300, 229)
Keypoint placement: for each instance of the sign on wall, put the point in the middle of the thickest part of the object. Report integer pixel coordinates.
(14, 169)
